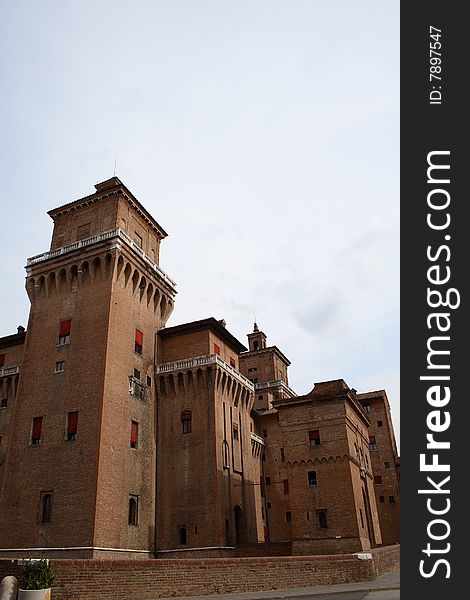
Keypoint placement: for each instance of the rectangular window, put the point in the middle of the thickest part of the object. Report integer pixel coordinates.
(138, 239)
(268, 480)
(232, 362)
(381, 499)
(36, 431)
(367, 408)
(72, 425)
(379, 423)
(134, 433)
(314, 437)
(288, 516)
(137, 374)
(285, 484)
(4, 403)
(372, 443)
(322, 520)
(283, 456)
(312, 478)
(59, 366)
(386, 465)
(378, 479)
(64, 332)
(391, 499)
(268, 504)
(149, 381)
(139, 341)
(2, 360)
(216, 349)
(186, 418)
(260, 397)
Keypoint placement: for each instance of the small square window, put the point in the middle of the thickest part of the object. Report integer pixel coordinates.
(314, 437)
(312, 478)
(391, 499)
(378, 479)
(260, 397)
(59, 366)
(149, 381)
(4, 403)
(386, 464)
(379, 423)
(288, 516)
(381, 499)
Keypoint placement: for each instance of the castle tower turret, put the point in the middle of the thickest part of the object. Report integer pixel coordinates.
(82, 441)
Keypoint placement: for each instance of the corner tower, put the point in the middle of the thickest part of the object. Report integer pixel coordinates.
(79, 473)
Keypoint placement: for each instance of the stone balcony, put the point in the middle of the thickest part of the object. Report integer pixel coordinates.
(107, 235)
(201, 361)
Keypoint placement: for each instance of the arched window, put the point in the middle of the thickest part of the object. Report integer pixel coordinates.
(256, 345)
(186, 421)
(46, 508)
(133, 509)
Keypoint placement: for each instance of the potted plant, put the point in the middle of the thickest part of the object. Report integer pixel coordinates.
(37, 580)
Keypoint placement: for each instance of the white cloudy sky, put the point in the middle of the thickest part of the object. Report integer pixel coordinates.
(263, 136)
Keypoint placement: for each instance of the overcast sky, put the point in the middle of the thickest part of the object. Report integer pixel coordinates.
(262, 135)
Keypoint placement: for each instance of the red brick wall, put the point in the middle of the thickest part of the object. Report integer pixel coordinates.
(117, 579)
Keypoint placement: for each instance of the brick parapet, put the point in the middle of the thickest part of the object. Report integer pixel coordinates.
(117, 579)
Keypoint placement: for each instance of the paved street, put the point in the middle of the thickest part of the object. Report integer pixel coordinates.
(386, 587)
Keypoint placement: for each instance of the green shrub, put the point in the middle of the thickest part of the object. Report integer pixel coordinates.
(37, 575)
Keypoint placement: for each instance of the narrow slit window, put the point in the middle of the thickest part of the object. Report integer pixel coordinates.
(186, 421)
(72, 425)
(64, 332)
(322, 519)
(182, 535)
(133, 510)
(285, 484)
(46, 507)
(139, 341)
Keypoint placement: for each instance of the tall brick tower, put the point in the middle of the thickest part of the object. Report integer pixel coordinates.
(81, 452)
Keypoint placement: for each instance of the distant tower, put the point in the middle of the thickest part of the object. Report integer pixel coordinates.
(80, 469)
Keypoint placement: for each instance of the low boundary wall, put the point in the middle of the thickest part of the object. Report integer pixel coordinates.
(151, 579)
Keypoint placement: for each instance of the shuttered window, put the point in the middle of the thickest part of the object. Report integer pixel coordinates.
(72, 425)
(64, 332)
(139, 341)
(134, 433)
(36, 430)
(314, 437)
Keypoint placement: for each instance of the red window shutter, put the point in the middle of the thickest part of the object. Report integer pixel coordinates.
(232, 362)
(72, 422)
(65, 328)
(2, 360)
(216, 349)
(186, 415)
(139, 338)
(372, 439)
(314, 434)
(378, 479)
(286, 486)
(134, 430)
(37, 426)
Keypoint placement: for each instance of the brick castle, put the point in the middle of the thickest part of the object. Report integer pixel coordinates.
(123, 438)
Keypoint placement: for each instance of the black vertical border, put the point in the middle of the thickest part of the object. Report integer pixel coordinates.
(426, 128)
